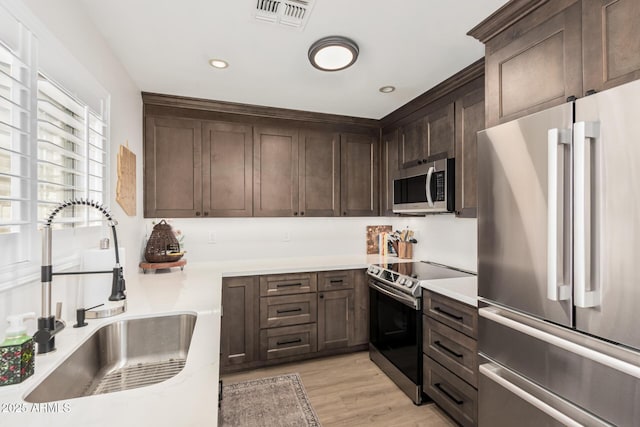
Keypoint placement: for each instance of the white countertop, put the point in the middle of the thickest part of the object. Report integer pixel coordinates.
(190, 398)
(463, 289)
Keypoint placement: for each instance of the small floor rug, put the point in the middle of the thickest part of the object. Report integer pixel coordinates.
(267, 402)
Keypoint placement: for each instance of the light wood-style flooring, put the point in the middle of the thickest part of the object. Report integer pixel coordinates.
(350, 390)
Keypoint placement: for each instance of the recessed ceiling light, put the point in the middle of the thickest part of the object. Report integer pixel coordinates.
(387, 89)
(218, 63)
(333, 53)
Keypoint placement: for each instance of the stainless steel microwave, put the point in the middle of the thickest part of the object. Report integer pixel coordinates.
(431, 190)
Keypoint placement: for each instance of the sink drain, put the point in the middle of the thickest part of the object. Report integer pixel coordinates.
(138, 375)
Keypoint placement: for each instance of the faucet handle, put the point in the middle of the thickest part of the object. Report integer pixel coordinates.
(58, 310)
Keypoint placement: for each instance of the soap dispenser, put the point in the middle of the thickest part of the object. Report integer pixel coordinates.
(16, 351)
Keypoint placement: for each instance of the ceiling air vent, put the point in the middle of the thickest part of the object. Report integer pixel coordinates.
(288, 13)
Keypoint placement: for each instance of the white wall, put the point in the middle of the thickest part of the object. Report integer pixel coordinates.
(444, 239)
(65, 33)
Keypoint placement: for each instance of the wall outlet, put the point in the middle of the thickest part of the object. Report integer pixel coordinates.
(287, 236)
(212, 238)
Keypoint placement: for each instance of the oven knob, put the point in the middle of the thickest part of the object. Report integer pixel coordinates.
(401, 280)
(410, 283)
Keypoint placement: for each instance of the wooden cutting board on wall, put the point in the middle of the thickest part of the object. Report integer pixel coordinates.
(126, 187)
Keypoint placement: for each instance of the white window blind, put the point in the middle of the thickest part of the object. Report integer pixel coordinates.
(71, 155)
(16, 172)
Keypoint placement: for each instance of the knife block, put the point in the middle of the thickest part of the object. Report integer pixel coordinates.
(405, 250)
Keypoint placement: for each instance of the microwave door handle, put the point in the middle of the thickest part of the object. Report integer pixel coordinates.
(427, 187)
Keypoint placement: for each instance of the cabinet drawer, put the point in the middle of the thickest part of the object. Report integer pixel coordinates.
(288, 310)
(287, 284)
(335, 280)
(459, 316)
(456, 397)
(454, 350)
(288, 341)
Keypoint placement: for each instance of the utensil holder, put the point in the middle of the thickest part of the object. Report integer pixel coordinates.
(405, 250)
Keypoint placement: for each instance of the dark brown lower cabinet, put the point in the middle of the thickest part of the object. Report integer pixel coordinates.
(450, 361)
(239, 326)
(282, 318)
(335, 311)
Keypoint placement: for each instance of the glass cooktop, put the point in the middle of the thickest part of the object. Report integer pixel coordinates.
(423, 270)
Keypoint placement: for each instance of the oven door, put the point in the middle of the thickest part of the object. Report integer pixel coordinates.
(395, 329)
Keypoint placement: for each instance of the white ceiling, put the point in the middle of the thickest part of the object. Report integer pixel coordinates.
(165, 46)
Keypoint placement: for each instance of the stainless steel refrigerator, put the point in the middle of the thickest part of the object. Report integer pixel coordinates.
(559, 265)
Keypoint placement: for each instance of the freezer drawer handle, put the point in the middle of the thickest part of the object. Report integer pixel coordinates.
(449, 395)
(289, 310)
(555, 292)
(601, 358)
(532, 400)
(289, 341)
(446, 313)
(584, 133)
(448, 350)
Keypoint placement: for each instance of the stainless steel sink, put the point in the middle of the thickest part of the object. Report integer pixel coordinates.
(120, 356)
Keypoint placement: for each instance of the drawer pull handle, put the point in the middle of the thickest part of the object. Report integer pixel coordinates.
(289, 310)
(289, 341)
(449, 395)
(335, 281)
(287, 285)
(448, 350)
(446, 313)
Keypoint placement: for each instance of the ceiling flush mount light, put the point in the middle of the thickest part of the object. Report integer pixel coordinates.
(333, 53)
(387, 89)
(218, 63)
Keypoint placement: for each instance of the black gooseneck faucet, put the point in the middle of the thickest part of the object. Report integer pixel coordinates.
(48, 325)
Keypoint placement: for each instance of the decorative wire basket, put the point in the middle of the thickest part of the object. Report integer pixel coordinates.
(162, 246)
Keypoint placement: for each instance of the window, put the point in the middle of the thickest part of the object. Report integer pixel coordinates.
(53, 147)
(16, 170)
(71, 155)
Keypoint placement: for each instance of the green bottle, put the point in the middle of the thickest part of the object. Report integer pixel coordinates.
(16, 351)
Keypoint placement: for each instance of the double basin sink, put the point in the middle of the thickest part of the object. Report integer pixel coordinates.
(123, 355)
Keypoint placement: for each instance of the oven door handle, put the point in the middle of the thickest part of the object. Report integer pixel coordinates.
(408, 301)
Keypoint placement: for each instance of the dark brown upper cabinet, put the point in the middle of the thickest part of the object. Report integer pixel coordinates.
(275, 172)
(359, 175)
(388, 170)
(173, 168)
(319, 173)
(227, 159)
(540, 53)
(428, 138)
(611, 43)
(469, 121)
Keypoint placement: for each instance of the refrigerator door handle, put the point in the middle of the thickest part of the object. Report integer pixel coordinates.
(427, 186)
(626, 368)
(555, 291)
(584, 133)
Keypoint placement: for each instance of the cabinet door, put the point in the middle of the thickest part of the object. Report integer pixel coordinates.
(440, 127)
(469, 121)
(275, 172)
(335, 311)
(227, 159)
(538, 66)
(611, 43)
(173, 168)
(413, 143)
(388, 169)
(239, 330)
(319, 164)
(360, 321)
(359, 175)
